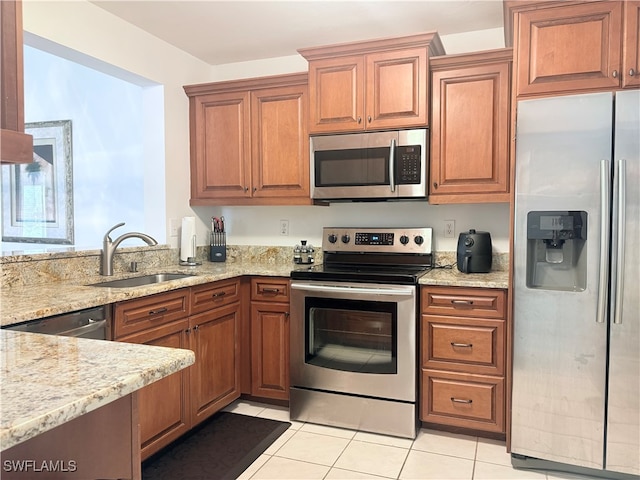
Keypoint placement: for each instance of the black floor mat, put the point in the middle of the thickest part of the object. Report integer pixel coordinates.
(221, 448)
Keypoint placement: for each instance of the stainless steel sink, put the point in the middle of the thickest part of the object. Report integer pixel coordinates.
(142, 280)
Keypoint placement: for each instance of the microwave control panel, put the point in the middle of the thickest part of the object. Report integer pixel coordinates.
(408, 164)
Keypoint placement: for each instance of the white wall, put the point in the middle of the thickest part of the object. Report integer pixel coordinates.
(86, 28)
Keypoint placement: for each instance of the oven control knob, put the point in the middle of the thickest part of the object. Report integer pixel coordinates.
(419, 240)
(404, 239)
(333, 238)
(346, 238)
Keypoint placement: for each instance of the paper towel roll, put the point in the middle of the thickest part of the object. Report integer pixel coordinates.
(188, 239)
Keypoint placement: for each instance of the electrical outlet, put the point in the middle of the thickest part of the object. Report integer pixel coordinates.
(174, 224)
(449, 228)
(284, 227)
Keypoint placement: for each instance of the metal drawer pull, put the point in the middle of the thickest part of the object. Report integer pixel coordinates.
(271, 290)
(156, 312)
(462, 302)
(218, 294)
(460, 400)
(465, 345)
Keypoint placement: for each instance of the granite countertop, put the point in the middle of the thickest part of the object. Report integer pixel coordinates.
(48, 380)
(20, 303)
(452, 277)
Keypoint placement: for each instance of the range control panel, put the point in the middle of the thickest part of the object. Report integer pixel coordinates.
(377, 240)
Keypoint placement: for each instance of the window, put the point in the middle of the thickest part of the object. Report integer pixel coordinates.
(117, 150)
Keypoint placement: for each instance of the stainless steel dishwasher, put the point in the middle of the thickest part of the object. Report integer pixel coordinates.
(89, 323)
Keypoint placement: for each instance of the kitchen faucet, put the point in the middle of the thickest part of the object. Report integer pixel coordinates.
(109, 246)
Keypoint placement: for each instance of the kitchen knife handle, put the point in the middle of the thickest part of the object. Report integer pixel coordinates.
(619, 218)
(605, 179)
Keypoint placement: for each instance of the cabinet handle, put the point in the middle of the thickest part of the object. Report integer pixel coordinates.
(632, 72)
(255, 189)
(158, 311)
(359, 119)
(246, 189)
(462, 302)
(369, 118)
(462, 345)
(187, 331)
(614, 74)
(196, 328)
(218, 294)
(435, 184)
(461, 400)
(274, 291)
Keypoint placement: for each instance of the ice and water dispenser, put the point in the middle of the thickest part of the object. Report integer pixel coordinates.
(556, 250)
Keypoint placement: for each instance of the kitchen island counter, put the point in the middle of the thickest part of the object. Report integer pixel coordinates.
(49, 380)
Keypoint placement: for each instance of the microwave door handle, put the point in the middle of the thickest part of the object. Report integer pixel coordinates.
(392, 165)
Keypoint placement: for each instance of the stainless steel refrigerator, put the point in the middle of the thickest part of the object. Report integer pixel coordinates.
(576, 348)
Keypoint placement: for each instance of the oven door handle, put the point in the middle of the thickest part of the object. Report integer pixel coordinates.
(396, 291)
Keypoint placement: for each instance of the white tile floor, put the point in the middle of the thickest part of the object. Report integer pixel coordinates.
(308, 451)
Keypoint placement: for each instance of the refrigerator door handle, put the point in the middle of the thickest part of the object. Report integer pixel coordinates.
(605, 193)
(617, 261)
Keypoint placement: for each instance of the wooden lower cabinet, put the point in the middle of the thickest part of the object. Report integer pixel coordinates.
(270, 338)
(163, 405)
(173, 405)
(463, 400)
(463, 344)
(215, 376)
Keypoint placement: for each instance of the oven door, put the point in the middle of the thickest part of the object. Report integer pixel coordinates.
(354, 338)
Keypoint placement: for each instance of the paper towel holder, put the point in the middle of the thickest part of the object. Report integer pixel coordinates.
(188, 246)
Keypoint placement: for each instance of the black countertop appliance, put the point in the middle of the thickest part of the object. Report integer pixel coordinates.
(474, 252)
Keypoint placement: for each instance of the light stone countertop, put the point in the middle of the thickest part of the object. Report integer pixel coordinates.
(452, 277)
(21, 303)
(48, 380)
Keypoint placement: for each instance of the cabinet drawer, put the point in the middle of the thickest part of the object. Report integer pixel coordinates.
(464, 302)
(463, 344)
(147, 312)
(214, 295)
(270, 289)
(468, 401)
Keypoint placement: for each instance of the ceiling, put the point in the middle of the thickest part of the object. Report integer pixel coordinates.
(219, 32)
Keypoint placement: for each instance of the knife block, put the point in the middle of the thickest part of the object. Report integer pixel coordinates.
(218, 247)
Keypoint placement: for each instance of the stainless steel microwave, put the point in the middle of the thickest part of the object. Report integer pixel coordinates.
(368, 166)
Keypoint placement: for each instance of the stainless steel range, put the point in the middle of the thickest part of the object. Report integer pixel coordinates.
(354, 330)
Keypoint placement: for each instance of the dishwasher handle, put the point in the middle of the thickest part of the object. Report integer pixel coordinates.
(82, 331)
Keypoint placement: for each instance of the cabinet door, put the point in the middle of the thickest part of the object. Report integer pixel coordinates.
(215, 376)
(396, 89)
(280, 142)
(470, 134)
(631, 44)
(336, 94)
(562, 49)
(221, 146)
(163, 405)
(15, 145)
(270, 350)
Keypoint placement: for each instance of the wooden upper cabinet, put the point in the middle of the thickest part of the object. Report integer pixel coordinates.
(470, 116)
(567, 47)
(15, 145)
(631, 44)
(370, 85)
(249, 141)
(280, 142)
